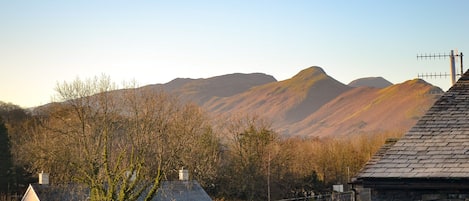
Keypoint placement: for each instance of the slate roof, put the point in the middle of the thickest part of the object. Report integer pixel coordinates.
(169, 191)
(58, 193)
(181, 191)
(436, 147)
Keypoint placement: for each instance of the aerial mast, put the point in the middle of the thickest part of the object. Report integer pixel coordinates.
(452, 57)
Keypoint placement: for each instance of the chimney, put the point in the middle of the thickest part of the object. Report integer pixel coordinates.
(44, 178)
(183, 175)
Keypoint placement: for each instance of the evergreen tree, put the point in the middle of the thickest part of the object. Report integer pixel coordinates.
(5, 160)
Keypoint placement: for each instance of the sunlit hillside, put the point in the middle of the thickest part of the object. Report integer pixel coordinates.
(311, 103)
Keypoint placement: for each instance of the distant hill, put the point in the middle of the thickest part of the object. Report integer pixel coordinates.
(376, 82)
(311, 103)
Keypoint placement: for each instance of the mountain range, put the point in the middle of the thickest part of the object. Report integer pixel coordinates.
(311, 103)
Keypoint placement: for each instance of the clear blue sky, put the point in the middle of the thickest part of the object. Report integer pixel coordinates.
(45, 42)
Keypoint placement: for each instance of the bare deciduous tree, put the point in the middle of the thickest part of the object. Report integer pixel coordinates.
(121, 142)
(249, 143)
(86, 138)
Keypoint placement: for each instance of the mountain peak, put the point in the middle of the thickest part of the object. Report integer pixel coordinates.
(311, 72)
(307, 78)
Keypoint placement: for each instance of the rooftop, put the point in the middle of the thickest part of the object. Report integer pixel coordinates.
(436, 147)
(181, 191)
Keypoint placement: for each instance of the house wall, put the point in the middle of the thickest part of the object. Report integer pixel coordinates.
(417, 195)
(30, 195)
(382, 194)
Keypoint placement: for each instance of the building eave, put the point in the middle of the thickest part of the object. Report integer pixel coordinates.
(460, 183)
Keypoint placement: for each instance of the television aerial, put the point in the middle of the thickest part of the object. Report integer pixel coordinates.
(453, 56)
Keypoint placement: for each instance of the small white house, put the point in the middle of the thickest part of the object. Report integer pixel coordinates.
(31, 194)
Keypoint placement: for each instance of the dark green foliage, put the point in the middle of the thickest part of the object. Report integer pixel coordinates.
(14, 176)
(6, 165)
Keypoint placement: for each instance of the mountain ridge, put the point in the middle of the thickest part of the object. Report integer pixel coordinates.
(202, 89)
(305, 103)
(285, 101)
(309, 104)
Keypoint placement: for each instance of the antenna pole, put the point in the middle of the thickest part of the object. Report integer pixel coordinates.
(452, 67)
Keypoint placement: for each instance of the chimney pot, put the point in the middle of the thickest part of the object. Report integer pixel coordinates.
(183, 174)
(44, 178)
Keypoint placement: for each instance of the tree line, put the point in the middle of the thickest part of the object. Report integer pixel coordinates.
(122, 142)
